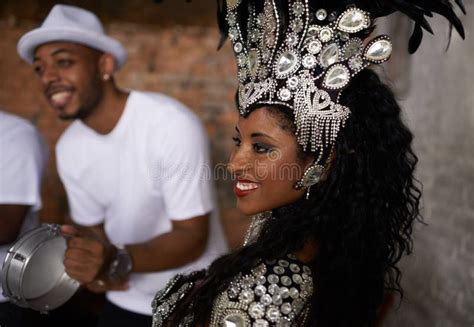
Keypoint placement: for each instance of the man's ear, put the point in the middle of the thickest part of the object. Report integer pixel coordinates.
(107, 64)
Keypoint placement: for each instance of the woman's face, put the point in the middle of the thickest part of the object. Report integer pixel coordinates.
(265, 163)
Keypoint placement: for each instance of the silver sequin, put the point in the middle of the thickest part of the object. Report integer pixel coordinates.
(284, 322)
(285, 308)
(260, 290)
(297, 278)
(277, 269)
(260, 280)
(260, 323)
(286, 281)
(266, 300)
(273, 279)
(247, 281)
(295, 268)
(282, 262)
(277, 299)
(294, 293)
(256, 310)
(233, 292)
(284, 292)
(246, 296)
(298, 305)
(321, 14)
(273, 314)
(273, 289)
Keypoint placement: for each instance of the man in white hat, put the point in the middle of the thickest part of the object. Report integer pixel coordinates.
(132, 164)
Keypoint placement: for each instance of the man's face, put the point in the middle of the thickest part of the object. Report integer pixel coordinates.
(70, 78)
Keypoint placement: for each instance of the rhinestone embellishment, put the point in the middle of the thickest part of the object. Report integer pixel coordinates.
(260, 290)
(235, 320)
(322, 51)
(238, 47)
(325, 34)
(314, 47)
(336, 77)
(287, 63)
(253, 62)
(273, 314)
(378, 50)
(309, 61)
(298, 9)
(257, 310)
(353, 20)
(292, 82)
(321, 14)
(284, 95)
(265, 304)
(329, 55)
(356, 63)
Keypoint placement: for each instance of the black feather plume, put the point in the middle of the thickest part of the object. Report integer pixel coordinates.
(416, 10)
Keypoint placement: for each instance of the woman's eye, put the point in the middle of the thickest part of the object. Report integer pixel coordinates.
(261, 148)
(236, 141)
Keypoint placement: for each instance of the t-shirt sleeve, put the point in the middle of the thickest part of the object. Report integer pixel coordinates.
(84, 209)
(183, 171)
(22, 161)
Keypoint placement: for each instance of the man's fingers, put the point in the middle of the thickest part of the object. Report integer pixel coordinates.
(92, 246)
(78, 231)
(79, 272)
(87, 267)
(84, 257)
(69, 230)
(82, 265)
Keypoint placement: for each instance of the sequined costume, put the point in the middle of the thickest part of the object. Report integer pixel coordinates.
(274, 293)
(297, 55)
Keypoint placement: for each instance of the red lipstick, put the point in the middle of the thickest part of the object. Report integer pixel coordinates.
(244, 187)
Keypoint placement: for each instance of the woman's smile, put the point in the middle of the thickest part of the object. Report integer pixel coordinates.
(244, 187)
(263, 153)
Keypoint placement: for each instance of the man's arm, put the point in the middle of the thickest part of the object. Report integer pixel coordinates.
(183, 244)
(88, 257)
(11, 219)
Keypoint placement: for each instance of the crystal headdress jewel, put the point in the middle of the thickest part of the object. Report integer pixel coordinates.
(303, 67)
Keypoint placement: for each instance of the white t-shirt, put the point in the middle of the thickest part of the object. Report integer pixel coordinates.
(23, 156)
(151, 168)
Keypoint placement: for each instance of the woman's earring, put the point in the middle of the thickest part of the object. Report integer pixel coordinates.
(311, 176)
(106, 77)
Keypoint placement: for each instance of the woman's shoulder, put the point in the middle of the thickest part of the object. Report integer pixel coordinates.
(166, 300)
(275, 292)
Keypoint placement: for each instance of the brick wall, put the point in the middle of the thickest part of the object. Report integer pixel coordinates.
(179, 60)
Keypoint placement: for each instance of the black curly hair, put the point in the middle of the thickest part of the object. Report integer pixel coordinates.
(361, 217)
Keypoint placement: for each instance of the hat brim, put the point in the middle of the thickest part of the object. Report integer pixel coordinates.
(30, 41)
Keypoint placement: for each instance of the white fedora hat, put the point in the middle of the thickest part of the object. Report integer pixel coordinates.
(71, 24)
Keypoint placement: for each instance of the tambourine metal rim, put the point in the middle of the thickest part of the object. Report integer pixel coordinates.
(20, 267)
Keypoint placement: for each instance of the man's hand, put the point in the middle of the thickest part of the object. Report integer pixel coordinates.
(86, 255)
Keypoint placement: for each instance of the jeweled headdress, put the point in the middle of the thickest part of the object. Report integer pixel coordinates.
(300, 55)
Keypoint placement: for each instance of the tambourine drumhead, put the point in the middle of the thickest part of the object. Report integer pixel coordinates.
(33, 273)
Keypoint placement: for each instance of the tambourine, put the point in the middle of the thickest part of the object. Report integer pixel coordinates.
(33, 273)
